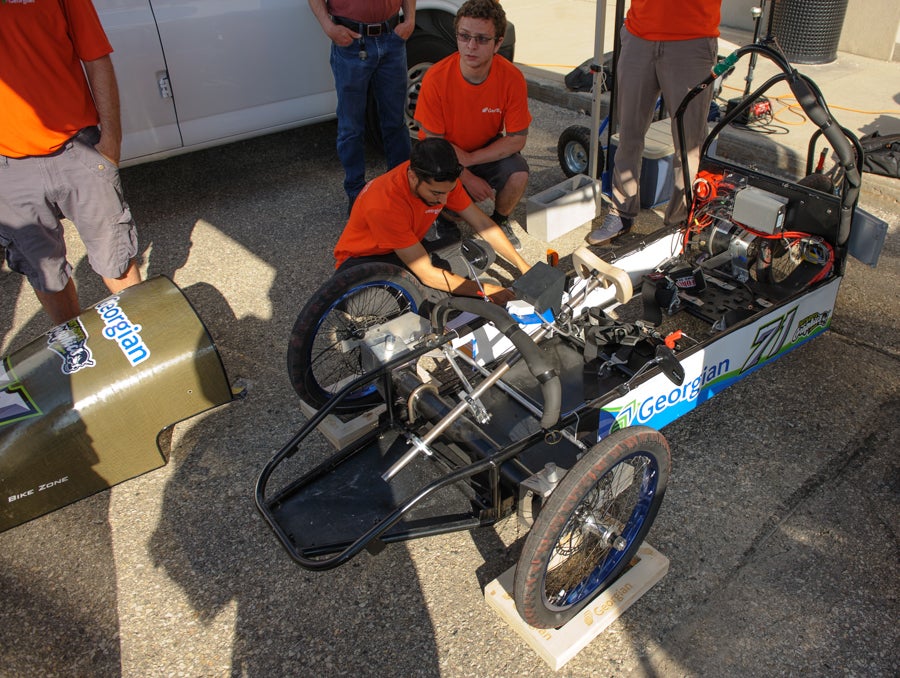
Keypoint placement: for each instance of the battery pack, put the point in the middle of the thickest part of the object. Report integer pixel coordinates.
(759, 209)
(760, 109)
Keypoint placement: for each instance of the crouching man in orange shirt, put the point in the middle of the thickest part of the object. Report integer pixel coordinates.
(394, 212)
(478, 101)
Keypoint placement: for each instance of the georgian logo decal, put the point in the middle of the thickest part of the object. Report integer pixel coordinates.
(119, 328)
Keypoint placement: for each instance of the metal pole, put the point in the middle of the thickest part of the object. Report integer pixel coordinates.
(617, 49)
(597, 68)
(756, 13)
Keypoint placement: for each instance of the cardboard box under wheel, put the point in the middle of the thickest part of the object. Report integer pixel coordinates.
(82, 407)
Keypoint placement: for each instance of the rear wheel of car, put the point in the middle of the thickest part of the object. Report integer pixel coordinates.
(423, 50)
(325, 351)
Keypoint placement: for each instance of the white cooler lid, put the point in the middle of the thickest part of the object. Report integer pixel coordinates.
(658, 141)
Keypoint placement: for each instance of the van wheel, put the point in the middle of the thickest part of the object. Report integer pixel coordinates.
(423, 50)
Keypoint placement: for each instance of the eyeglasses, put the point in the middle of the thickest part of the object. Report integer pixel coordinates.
(465, 38)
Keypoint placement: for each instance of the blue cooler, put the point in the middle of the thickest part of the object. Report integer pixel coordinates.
(656, 165)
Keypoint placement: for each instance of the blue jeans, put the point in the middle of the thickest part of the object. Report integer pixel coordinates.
(384, 71)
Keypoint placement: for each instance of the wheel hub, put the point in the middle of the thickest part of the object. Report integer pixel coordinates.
(607, 534)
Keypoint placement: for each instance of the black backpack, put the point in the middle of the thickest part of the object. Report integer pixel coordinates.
(881, 154)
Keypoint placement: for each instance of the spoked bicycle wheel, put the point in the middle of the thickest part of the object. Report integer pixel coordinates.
(324, 352)
(591, 526)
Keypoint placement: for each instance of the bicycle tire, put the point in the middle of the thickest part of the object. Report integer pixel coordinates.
(324, 354)
(573, 551)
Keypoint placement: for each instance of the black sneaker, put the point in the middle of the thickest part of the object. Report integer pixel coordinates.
(506, 226)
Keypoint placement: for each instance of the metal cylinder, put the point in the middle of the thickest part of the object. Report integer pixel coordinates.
(809, 31)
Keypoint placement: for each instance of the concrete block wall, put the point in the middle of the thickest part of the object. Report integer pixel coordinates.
(872, 29)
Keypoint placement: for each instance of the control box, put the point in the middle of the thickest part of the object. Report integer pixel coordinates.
(759, 209)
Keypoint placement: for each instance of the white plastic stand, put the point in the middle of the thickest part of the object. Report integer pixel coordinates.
(558, 646)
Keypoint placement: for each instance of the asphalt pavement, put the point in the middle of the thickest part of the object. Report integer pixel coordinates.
(780, 522)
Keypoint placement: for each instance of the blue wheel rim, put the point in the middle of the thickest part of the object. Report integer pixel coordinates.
(400, 292)
(647, 493)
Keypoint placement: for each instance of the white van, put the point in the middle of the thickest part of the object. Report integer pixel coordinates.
(199, 73)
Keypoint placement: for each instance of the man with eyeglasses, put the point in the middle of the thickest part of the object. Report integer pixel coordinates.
(394, 212)
(368, 48)
(478, 101)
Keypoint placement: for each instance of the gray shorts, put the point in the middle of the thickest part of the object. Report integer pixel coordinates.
(78, 183)
(497, 173)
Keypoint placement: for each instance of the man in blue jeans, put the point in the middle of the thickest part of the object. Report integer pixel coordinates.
(368, 50)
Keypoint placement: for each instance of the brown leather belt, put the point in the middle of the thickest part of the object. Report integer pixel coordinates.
(368, 29)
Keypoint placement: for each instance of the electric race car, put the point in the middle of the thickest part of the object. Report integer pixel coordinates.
(454, 414)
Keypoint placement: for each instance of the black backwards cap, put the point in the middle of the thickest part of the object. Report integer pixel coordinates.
(434, 159)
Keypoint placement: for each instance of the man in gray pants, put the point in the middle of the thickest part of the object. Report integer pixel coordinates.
(667, 48)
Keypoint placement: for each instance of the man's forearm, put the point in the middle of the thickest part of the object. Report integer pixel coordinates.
(408, 7)
(105, 90)
(408, 25)
(321, 13)
(503, 147)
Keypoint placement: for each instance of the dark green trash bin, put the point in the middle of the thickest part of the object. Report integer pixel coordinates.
(809, 30)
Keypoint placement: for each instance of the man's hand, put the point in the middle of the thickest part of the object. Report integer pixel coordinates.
(340, 35)
(405, 29)
(478, 188)
(500, 297)
(109, 147)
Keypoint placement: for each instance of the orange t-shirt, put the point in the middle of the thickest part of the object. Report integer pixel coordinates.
(44, 95)
(658, 20)
(388, 216)
(468, 115)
